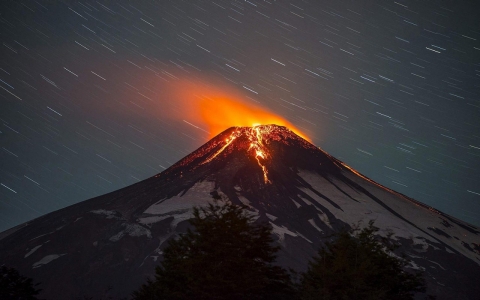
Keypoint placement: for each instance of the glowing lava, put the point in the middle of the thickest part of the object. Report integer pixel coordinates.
(228, 141)
(257, 137)
(256, 143)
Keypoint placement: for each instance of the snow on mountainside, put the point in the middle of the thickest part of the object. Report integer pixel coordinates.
(305, 194)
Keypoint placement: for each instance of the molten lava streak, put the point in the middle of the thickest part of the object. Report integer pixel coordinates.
(257, 148)
(256, 143)
(227, 143)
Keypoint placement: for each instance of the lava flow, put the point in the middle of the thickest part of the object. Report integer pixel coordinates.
(256, 144)
(257, 137)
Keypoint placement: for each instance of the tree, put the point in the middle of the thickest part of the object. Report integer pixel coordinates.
(14, 286)
(226, 256)
(360, 267)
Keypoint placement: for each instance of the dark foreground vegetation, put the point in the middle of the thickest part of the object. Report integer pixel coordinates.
(14, 286)
(227, 256)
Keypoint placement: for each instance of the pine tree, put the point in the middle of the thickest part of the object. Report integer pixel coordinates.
(226, 256)
(360, 267)
(14, 286)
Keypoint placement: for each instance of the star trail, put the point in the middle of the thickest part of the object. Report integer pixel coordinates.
(391, 88)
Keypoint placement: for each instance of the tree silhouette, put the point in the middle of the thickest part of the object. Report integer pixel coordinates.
(14, 286)
(360, 267)
(226, 256)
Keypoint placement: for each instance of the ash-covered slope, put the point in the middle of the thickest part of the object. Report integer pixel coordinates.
(304, 193)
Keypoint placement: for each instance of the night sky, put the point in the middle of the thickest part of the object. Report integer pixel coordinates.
(392, 88)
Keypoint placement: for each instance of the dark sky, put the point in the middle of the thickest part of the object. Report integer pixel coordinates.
(389, 87)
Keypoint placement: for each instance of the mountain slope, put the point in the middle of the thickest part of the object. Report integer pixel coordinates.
(304, 193)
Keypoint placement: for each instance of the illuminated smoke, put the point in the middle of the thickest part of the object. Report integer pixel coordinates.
(216, 108)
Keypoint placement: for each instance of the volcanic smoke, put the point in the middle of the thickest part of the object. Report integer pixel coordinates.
(215, 108)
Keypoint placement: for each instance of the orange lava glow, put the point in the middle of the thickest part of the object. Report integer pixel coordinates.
(256, 143)
(259, 150)
(214, 108)
(227, 143)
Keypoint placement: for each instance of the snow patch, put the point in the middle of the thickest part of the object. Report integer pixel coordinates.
(131, 230)
(31, 251)
(180, 207)
(437, 264)
(281, 231)
(42, 235)
(252, 211)
(324, 219)
(304, 237)
(152, 220)
(423, 242)
(414, 266)
(245, 201)
(296, 203)
(187, 215)
(312, 222)
(306, 201)
(46, 260)
(172, 206)
(162, 240)
(271, 217)
(110, 214)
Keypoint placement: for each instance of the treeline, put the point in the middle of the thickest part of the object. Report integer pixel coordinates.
(227, 256)
(14, 286)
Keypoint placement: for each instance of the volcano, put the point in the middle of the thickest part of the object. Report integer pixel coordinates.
(110, 244)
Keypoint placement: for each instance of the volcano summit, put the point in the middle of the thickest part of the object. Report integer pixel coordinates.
(304, 193)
